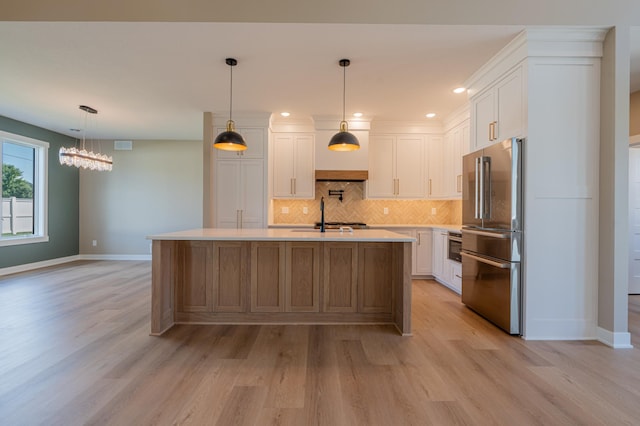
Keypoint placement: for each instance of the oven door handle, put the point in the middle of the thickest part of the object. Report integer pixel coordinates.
(500, 235)
(505, 265)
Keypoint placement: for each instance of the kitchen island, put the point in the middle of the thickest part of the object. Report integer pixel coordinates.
(280, 276)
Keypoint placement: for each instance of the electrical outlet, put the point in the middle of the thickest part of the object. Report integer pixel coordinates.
(305, 210)
(386, 210)
(433, 210)
(94, 243)
(285, 210)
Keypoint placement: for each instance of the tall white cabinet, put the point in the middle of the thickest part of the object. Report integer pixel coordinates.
(240, 182)
(545, 86)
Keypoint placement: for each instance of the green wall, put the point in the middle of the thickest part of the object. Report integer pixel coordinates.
(63, 202)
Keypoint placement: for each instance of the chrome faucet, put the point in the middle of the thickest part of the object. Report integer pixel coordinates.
(321, 214)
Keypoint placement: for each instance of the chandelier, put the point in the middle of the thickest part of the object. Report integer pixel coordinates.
(73, 156)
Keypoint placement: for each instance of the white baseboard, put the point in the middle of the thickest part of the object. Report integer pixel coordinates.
(60, 260)
(559, 329)
(35, 265)
(114, 256)
(615, 340)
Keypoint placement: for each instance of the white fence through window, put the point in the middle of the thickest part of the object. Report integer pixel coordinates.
(17, 216)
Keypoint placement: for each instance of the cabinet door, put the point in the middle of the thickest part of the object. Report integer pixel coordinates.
(483, 113)
(255, 139)
(267, 276)
(339, 278)
(409, 167)
(436, 184)
(283, 166)
(459, 147)
(509, 106)
(194, 292)
(374, 278)
(381, 183)
(228, 192)
(456, 276)
(302, 280)
(253, 201)
(424, 249)
(439, 239)
(231, 276)
(305, 180)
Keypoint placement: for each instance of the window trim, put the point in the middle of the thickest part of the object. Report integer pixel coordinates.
(40, 190)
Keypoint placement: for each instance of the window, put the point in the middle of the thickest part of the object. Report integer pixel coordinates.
(24, 189)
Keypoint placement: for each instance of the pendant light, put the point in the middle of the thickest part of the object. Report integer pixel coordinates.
(343, 140)
(230, 140)
(79, 156)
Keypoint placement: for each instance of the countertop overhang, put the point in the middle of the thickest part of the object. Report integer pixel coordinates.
(220, 234)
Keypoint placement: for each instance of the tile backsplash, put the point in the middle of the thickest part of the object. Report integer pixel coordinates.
(355, 208)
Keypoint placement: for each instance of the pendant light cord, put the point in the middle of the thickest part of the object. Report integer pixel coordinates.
(344, 90)
(231, 92)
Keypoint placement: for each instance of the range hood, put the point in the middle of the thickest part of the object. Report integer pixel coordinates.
(342, 175)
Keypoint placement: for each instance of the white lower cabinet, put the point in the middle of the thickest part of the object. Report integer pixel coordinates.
(456, 276)
(421, 258)
(445, 271)
(423, 263)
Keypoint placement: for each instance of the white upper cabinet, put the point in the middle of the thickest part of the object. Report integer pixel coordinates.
(293, 165)
(437, 184)
(498, 112)
(396, 167)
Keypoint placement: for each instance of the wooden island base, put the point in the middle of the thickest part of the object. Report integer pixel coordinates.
(297, 281)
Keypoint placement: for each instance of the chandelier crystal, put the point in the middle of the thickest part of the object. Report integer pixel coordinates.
(82, 158)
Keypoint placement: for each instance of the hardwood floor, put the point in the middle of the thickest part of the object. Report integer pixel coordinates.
(75, 349)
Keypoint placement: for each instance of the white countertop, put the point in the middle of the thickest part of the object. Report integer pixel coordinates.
(446, 227)
(219, 234)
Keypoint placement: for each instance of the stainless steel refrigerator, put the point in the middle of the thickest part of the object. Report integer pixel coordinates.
(492, 233)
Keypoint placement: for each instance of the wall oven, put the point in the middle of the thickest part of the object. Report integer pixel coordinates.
(454, 246)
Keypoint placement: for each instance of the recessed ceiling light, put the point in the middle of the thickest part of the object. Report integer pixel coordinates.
(459, 90)
(357, 114)
(431, 115)
(285, 114)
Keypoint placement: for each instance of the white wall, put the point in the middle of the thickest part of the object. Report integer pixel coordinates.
(154, 188)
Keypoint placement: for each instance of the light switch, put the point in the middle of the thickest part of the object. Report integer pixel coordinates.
(285, 210)
(386, 210)
(305, 210)
(433, 210)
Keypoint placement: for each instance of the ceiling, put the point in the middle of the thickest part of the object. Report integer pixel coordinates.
(154, 80)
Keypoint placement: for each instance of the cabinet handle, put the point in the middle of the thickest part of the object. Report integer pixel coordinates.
(241, 219)
(419, 239)
(295, 190)
(429, 186)
(459, 183)
(237, 219)
(492, 131)
(397, 189)
(291, 186)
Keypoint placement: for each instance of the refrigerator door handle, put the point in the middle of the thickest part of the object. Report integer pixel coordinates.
(501, 235)
(505, 265)
(486, 183)
(477, 199)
